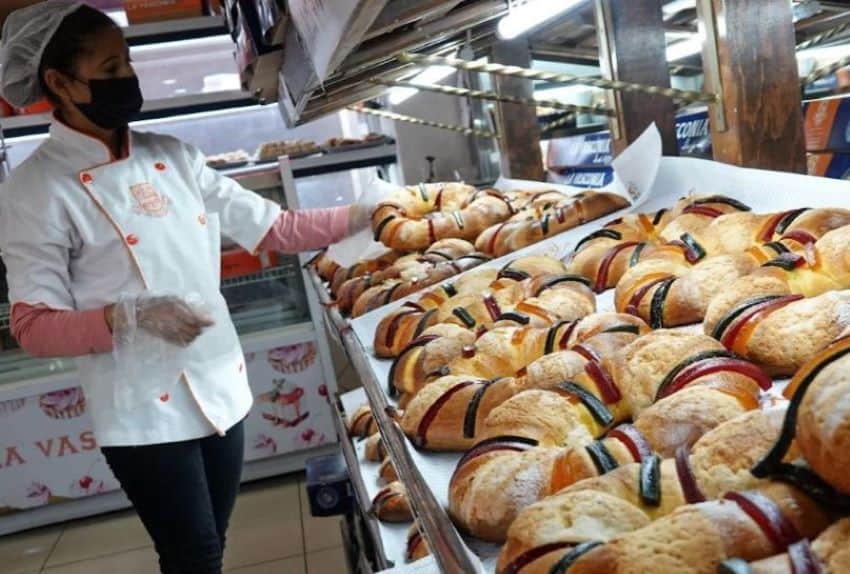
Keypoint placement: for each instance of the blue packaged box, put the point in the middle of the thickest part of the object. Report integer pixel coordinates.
(832, 165)
(692, 132)
(592, 177)
(827, 124)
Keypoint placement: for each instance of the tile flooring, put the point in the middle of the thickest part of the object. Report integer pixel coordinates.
(272, 532)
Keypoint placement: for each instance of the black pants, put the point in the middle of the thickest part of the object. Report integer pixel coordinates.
(184, 493)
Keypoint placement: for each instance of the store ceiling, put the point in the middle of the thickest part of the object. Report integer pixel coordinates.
(441, 27)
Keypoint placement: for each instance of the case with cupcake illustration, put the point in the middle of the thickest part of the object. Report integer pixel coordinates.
(291, 409)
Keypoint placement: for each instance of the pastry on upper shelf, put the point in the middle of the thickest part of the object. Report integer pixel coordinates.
(414, 217)
(270, 151)
(228, 158)
(537, 223)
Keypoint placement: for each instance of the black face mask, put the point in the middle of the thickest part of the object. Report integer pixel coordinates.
(114, 102)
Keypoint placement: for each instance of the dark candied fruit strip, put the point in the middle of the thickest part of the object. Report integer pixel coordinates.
(458, 217)
(449, 289)
(789, 218)
(471, 416)
(515, 317)
(423, 322)
(423, 192)
(656, 308)
(787, 261)
(735, 312)
(505, 443)
(380, 228)
(566, 278)
(687, 362)
(702, 210)
(635, 258)
(609, 233)
(693, 250)
(602, 458)
(799, 385)
(650, 480)
(633, 329)
(778, 247)
(464, 316)
(591, 402)
(750, 314)
(724, 200)
(633, 305)
(658, 215)
(549, 347)
(544, 224)
(566, 562)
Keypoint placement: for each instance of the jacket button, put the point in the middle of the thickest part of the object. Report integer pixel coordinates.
(132, 239)
(164, 398)
(86, 178)
(160, 166)
(202, 219)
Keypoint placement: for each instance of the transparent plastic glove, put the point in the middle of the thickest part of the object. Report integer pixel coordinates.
(359, 217)
(151, 333)
(360, 244)
(173, 319)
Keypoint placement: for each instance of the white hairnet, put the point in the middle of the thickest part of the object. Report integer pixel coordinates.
(26, 33)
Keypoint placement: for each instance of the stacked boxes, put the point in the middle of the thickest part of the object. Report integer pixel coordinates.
(827, 130)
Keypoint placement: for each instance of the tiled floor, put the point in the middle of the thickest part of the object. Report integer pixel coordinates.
(272, 532)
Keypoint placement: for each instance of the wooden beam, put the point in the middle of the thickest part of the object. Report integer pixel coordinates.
(632, 49)
(758, 78)
(519, 131)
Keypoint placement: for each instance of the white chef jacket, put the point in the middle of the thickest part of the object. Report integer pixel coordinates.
(79, 229)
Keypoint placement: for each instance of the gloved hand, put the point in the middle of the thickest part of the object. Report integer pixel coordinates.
(167, 317)
(359, 217)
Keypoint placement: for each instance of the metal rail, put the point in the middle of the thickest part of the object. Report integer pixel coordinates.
(439, 531)
(492, 96)
(420, 122)
(527, 73)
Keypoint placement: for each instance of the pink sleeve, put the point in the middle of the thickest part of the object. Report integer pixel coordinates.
(45, 332)
(306, 230)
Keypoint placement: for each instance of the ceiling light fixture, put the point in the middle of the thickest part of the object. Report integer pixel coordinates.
(532, 14)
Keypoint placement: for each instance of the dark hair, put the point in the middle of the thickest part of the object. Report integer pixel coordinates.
(71, 40)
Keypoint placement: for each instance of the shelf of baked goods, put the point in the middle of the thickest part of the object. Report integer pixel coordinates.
(318, 162)
(517, 433)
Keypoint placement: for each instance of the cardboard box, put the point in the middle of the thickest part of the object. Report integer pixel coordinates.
(827, 124)
(832, 165)
(142, 11)
(238, 262)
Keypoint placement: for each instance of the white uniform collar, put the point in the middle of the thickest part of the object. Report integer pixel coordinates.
(87, 149)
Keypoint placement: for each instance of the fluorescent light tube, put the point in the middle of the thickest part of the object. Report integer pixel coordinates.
(531, 15)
